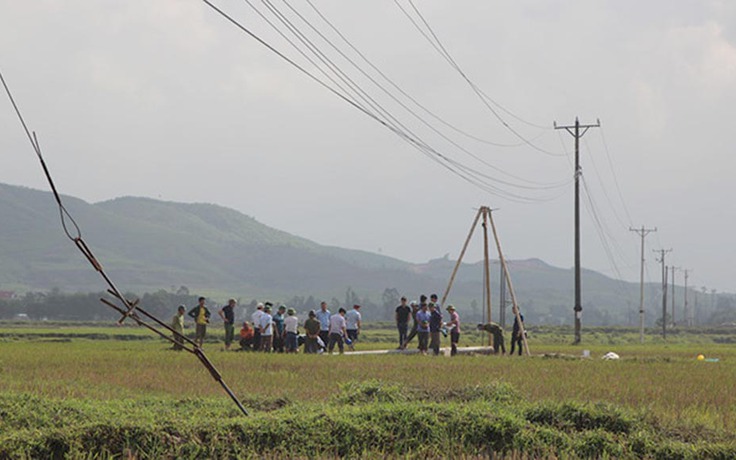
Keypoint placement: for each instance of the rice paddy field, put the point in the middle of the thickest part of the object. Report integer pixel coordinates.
(89, 391)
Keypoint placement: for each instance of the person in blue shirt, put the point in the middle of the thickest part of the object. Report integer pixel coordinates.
(352, 325)
(423, 317)
(323, 316)
(279, 334)
(415, 307)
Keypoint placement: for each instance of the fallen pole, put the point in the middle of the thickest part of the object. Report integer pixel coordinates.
(130, 309)
(444, 351)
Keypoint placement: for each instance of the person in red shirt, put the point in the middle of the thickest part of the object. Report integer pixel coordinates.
(246, 336)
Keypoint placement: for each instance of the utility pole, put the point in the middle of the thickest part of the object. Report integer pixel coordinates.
(673, 295)
(662, 253)
(685, 308)
(574, 130)
(700, 313)
(643, 232)
(502, 300)
(486, 264)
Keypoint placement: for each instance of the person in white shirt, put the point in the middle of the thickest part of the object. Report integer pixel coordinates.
(352, 325)
(255, 320)
(323, 316)
(291, 326)
(265, 325)
(337, 331)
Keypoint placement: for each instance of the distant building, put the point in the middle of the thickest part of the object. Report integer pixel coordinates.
(7, 295)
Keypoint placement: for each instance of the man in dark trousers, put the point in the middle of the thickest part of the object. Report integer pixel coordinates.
(312, 328)
(497, 334)
(403, 313)
(201, 316)
(516, 334)
(435, 328)
(414, 309)
(227, 313)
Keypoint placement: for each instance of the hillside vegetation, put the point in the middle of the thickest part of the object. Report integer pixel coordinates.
(148, 245)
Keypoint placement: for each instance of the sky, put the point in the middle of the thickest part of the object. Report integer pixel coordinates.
(170, 100)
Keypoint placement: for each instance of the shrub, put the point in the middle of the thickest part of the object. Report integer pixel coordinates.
(369, 391)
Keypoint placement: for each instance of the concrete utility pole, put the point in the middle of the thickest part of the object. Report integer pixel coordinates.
(673, 295)
(700, 313)
(502, 300)
(642, 232)
(662, 253)
(574, 130)
(685, 308)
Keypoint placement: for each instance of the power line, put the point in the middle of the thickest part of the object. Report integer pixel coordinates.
(365, 96)
(435, 156)
(402, 91)
(605, 192)
(440, 48)
(615, 176)
(463, 171)
(538, 186)
(601, 230)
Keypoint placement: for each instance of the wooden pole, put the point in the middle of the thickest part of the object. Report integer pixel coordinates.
(486, 265)
(504, 267)
(460, 258)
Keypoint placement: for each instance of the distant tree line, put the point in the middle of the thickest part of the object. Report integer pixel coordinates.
(57, 305)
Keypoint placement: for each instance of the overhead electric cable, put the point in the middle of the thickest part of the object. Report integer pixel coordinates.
(369, 100)
(600, 230)
(467, 174)
(401, 90)
(329, 88)
(603, 187)
(437, 44)
(598, 224)
(452, 61)
(376, 105)
(613, 172)
(408, 96)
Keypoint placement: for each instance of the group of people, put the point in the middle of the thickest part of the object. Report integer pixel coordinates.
(427, 325)
(277, 330)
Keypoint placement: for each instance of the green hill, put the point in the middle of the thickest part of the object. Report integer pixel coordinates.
(148, 245)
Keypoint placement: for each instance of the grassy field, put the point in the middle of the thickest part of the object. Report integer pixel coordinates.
(99, 391)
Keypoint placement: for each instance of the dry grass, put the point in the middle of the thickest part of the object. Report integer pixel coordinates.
(666, 381)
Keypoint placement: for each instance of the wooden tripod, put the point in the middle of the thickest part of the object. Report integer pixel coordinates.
(486, 214)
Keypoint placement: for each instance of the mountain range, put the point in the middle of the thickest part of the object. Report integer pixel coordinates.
(147, 245)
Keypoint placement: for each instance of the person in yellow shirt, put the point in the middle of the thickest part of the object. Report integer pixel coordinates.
(177, 324)
(201, 316)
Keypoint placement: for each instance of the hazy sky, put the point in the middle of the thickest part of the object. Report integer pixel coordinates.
(166, 99)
